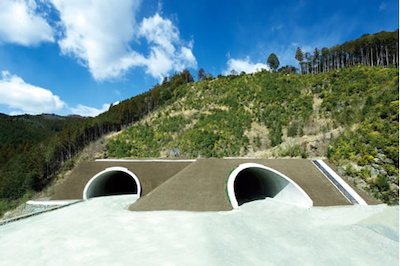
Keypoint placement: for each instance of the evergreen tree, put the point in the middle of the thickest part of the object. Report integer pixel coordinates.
(300, 57)
(273, 62)
(200, 74)
(380, 49)
(316, 61)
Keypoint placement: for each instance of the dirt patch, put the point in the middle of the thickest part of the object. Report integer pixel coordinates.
(312, 145)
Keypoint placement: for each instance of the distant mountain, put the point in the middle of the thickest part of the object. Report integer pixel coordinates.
(19, 133)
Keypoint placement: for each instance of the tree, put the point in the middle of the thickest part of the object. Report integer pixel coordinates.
(207, 76)
(325, 59)
(185, 74)
(307, 55)
(300, 57)
(200, 74)
(287, 70)
(273, 61)
(316, 61)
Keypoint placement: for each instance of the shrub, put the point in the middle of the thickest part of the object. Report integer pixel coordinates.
(381, 183)
(292, 151)
(292, 130)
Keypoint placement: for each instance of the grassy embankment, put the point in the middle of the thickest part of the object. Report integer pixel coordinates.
(349, 115)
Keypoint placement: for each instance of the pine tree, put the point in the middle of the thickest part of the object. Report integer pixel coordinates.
(300, 57)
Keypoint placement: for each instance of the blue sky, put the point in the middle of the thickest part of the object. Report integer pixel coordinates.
(79, 56)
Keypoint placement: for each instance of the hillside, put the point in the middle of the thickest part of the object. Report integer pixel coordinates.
(19, 133)
(349, 115)
(34, 160)
(344, 107)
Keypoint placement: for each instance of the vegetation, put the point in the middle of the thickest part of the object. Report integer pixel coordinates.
(20, 133)
(370, 141)
(38, 163)
(354, 109)
(273, 62)
(380, 49)
(213, 118)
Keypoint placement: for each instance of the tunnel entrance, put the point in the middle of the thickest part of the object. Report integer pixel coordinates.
(112, 181)
(250, 182)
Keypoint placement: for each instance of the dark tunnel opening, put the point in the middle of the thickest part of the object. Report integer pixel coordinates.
(112, 183)
(252, 181)
(256, 184)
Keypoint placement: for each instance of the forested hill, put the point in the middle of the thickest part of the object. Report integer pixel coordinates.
(33, 155)
(19, 133)
(347, 113)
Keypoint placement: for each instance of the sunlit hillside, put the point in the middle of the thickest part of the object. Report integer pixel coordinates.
(342, 103)
(349, 115)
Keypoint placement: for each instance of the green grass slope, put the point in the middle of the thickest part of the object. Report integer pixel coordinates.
(349, 115)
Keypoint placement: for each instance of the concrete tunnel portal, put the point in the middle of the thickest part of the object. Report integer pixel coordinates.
(250, 181)
(112, 181)
(247, 182)
(202, 185)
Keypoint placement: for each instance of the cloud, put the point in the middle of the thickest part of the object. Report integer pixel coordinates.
(20, 24)
(245, 65)
(89, 111)
(167, 51)
(26, 98)
(383, 6)
(97, 34)
(160, 31)
(102, 36)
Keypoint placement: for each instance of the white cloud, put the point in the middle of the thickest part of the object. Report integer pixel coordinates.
(160, 31)
(97, 33)
(89, 111)
(100, 34)
(103, 36)
(383, 6)
(163, 38)
(26, 98)
(245, 65)
(23, 98)
(21, 25)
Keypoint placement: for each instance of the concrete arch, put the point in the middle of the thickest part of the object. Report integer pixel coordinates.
(112, 181)
(251, 181)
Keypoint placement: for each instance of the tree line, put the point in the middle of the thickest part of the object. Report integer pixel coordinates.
(35, 166)
(380, 49)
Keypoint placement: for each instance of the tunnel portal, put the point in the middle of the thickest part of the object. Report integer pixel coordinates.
(256, 183)
(112, 181)
(249, 182)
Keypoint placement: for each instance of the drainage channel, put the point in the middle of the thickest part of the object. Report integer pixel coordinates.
(335, 182)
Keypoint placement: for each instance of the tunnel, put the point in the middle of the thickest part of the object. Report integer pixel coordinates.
(112, 181)
(250, 181)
